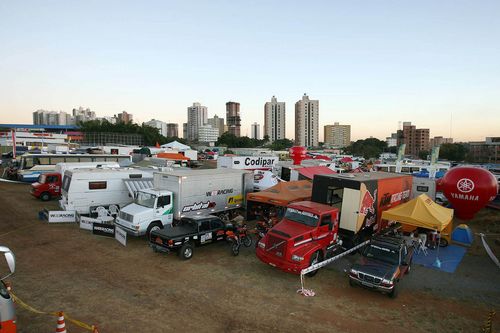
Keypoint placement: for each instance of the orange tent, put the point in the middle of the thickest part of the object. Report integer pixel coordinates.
(172, 156)
(283, 193)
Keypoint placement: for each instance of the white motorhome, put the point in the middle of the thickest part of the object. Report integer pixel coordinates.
(83, 190)
(62, 167)
(180, 193)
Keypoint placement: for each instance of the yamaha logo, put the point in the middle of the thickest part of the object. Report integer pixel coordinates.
(465, 185)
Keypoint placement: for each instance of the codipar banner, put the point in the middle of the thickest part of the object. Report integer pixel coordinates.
(121, 236)
(100, 229)
(60, 216)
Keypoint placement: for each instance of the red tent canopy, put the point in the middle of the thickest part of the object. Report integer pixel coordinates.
(309, 172)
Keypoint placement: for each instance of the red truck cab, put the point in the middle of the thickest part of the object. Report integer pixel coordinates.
(47, 186)
(306, 235)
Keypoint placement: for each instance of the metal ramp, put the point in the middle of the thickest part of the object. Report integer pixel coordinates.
(134, 185)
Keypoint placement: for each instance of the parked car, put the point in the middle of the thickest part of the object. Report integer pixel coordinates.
(385, 261)
(188, 233)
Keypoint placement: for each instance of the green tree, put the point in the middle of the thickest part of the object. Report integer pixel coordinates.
(368, 148)
(453, 151)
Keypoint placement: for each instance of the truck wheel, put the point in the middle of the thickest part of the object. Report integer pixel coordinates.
(394, 292)
(247, 241)
(351, 283)
(315, 258)
(45, 196)
(154, 226)
(186, 251)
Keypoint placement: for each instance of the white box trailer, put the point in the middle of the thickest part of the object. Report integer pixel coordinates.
(247, 162)
(62, 167)
(181, 193)
(83, 190)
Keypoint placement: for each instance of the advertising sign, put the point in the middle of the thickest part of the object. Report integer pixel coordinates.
(121, 236)
(61, 216)
(100, 229)
(87, 222)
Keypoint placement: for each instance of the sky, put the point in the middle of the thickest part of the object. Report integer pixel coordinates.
(371, 64)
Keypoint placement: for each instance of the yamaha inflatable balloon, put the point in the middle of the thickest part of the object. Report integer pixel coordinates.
(297, 154)
(469, 189)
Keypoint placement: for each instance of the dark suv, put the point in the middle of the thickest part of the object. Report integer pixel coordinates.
(385, 260)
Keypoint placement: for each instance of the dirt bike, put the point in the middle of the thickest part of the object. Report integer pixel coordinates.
(237, 237)
(262, 227)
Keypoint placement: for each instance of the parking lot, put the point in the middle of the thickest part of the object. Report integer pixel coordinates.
(132, 289)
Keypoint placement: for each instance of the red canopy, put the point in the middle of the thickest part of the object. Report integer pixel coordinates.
(172, 156)
(346, 160)
(309, 172)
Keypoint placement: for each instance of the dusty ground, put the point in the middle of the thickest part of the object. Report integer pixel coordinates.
(132, 289)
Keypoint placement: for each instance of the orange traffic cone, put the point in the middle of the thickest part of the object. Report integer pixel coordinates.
(61, 325)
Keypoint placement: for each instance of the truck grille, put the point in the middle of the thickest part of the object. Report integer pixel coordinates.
(276, 245)
(369, 278)
(126, 217)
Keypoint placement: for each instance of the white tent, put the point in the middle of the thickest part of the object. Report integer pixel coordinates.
(176, 145)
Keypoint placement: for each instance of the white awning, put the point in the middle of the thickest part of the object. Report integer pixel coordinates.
(134, 185)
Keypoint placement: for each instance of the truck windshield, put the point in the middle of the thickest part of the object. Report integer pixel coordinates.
(383, 254)
(145, 199)
(302, 217)
(41, 179)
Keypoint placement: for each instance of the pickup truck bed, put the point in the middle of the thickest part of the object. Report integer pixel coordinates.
(176, 232)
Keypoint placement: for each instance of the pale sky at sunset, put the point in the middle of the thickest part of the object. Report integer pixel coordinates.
(370, 63)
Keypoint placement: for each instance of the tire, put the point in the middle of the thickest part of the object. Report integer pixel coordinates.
(351, 283)
(315, 258)
(45, 196)
(395, 291)
(186, 251)
(443, 242)
(153, 226)
(235, 248)
(247, 241)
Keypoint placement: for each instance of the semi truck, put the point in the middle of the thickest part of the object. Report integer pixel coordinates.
(345, 209)
(181, 193)
(83, 190)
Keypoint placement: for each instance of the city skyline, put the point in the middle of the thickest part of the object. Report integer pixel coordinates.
(371, 65)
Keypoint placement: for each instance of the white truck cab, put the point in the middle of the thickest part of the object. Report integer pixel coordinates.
(152, 209)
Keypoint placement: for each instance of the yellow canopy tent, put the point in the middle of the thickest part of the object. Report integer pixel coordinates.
(424, 213)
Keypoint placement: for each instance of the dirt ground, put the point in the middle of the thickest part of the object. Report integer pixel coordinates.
(131, 289)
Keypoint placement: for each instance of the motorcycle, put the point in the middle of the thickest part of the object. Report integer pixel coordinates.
(262, 227)
(237, 237)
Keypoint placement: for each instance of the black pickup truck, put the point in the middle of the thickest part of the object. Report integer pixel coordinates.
(385, 260)
(188, 233)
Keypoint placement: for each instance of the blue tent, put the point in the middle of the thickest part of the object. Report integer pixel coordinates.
(462, 235)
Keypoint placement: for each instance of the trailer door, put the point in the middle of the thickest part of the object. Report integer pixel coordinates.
(350, 209)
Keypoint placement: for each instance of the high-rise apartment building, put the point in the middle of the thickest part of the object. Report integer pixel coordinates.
(196, 117)
(416, 139)
(43, 117)
(307, 122)
(233, 118)
(124, 117)
(338, 136)
(160, 125)
(274, 120)
(83, 115)
(184, 130)
(392, 141)
(172, 130)
(207, 133)
(438, 141)
(218, 123)
(255, 131)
